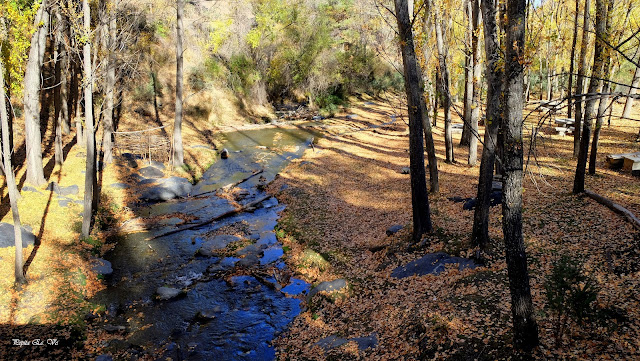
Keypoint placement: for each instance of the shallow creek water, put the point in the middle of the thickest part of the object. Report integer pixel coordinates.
(218, 316)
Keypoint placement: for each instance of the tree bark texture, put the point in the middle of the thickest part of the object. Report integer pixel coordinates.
(178, 153)
(90, 171)
(444, 83)
(417, 111)
(635, 83)
(468, 75)
(594, 85)
(574, 42)
(582, 68)
(477, 73)
(107, 141)
(11, 181)
(32, 83)
(494, 73)
(525, 329)
(604, 100)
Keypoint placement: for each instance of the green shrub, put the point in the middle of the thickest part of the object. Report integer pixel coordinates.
(571, 294)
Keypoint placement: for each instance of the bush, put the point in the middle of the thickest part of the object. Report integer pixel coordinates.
(571, 294)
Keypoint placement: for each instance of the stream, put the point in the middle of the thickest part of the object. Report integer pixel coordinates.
(236, 293)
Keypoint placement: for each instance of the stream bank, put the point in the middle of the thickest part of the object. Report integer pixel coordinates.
(218, 290)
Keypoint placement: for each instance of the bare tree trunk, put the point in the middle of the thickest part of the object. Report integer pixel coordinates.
(178, 156)
(477, 73)
(633, 89)
(107, 144)
(494, 73)
(11, 181)
(525, 329)
(594, 85)
(604, 100)
(32, 82)
(572, 60)
(582, 67)
(428, 134)
(444, 82)
(90, 173)
(61, 110)
(417, 112)
(80, 136)
(468, 75)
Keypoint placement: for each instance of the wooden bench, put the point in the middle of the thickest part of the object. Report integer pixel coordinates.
(565, 121)
(617, 160)
(457, 127)
(632, 163)
(565, 130)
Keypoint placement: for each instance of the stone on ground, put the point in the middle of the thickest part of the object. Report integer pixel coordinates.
(327, 286)
(151, 172)
(433, 263)
(7, 236)
(167, 293)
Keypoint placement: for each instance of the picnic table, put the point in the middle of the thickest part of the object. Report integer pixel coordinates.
(626, 161)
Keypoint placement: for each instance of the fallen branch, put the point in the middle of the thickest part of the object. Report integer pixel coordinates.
(223, 215)
(229, 186)
(615, 207)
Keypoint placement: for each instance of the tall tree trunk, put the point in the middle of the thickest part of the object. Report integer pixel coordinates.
(635, 83)
(468, 75)
(11, 181)
(525, 329)
(572, 60)
(594, 84)
(477, 73)
(494, 73)
(604, 99)
(90, 173)
(107, 144)
(428, 134)
(32, 82)
(61, 110)
(417, 111)
(80, 136)
(178, 156)
(582, 68)
(444, 82)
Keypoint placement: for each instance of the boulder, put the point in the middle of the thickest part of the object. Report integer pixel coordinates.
(366, 342)
(331, 342)
(102, 267)
(432, 263)
(157, 164)
(166, 189)
(64, 191)
(327, 286)
(393, 229)
(144, 181)
(30, 189)
(104, 357)
(151, 172)
(167, 293)
(405, 170)
(7, 236)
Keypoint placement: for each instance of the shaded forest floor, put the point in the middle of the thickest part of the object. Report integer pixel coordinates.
(343, 195)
